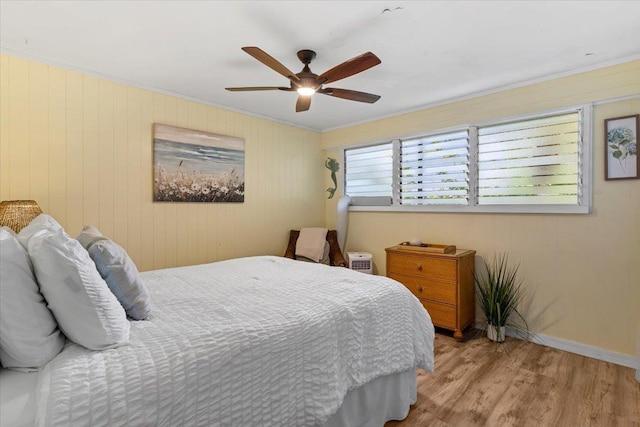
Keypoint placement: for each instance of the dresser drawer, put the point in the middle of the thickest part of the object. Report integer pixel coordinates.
(428, 288)
(422, 266)
(441, 314)
(442, 282)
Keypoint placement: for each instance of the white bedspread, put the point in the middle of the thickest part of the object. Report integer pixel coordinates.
(260, 341)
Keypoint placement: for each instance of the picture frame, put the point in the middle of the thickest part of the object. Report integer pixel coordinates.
(621, 160)
(197, 166)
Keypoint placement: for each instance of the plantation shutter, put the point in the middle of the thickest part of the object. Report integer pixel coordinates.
(530, 162)
(369, 174)
(435, 169)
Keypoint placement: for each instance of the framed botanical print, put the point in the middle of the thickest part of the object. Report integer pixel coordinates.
(621, 148)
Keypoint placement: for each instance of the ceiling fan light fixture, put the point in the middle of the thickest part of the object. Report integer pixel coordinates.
(306, 83)
(306, 91)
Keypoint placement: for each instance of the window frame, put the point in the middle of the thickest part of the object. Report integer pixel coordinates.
(585, 147)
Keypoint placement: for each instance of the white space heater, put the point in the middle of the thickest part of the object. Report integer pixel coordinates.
(361, 261)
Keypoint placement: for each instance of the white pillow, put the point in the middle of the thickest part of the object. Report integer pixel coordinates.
(89, 235)
(29, 335)
(39, 224)
(86, 310)
(119, 271)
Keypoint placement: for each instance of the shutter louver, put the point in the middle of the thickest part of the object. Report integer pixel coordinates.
(530, 162)
(369, 171)
(435, 170)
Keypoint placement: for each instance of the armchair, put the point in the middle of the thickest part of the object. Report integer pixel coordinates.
(336, 259)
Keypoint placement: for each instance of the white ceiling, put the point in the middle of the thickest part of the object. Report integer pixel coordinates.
(431, 51)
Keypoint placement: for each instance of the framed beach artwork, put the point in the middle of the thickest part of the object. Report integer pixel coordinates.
(621, 148)
(195, 166)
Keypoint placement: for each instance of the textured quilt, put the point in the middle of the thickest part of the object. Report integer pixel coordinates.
(259, 341)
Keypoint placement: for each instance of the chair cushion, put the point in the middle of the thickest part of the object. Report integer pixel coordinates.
(323, 260)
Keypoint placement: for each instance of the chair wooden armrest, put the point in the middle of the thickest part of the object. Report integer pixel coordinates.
(291, 247)
(335, 254)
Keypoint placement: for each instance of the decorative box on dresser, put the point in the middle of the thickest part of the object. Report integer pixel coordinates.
(443, 283)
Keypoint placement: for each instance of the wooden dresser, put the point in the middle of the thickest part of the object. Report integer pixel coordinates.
(443, 283)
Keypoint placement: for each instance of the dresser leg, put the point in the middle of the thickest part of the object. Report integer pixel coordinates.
(457, 334)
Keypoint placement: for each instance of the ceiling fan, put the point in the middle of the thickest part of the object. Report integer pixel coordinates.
(307, 83)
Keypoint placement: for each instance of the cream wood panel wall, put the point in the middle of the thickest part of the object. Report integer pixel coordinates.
(582, 272)
(82, 148)
(605, 83)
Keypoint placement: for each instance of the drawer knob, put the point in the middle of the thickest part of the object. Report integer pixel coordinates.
(420, 289)
(419, 267)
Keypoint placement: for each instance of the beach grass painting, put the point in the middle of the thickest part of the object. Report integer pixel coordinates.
(196, 166)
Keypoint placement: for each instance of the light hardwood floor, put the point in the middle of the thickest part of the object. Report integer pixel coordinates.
(478, 383)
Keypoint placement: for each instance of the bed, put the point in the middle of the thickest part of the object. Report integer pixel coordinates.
(252, 341)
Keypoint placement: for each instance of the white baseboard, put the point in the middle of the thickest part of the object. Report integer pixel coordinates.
(578, 348)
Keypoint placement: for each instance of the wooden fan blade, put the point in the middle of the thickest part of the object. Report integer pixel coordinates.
(349, 68)
(303, 103)
(242, 89)
(352, 95)
(271, 62)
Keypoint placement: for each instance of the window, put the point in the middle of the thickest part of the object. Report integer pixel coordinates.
(530, 162)
(435, 170)
(535, 164)
(369, 174)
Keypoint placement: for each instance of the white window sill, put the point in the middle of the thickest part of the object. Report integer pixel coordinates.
(531, 209)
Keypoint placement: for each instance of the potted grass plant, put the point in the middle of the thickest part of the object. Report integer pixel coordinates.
(499, 292)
